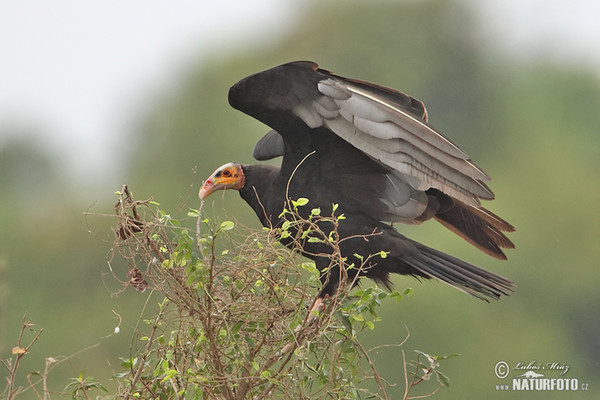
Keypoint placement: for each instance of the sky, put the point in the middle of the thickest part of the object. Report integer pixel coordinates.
(77, 72)
(564, 31)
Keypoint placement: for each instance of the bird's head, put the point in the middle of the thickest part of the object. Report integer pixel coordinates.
(227, 176)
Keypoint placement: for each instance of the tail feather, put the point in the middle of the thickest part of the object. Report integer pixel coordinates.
(460, 274)
(478, 226)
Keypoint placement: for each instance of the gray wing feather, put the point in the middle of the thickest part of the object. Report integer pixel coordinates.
(409, 146)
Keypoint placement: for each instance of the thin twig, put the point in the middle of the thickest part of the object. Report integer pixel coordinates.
(198, 229)
(142, 360)
(287, 187)
(377, 378)
(20, 352)
(406, 389)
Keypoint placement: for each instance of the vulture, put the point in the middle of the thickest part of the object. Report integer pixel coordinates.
(366, 152)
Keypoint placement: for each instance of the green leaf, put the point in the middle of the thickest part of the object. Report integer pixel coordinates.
(442, 378)
(96, 385)
(396, 295)
(265, 374)
(311, 267)
(236, 328)
(439, 358)
(347, 323)
(432, 360)
(305, 233)
(128, 363)
(169, 373)
(226, 226)
(302, 201)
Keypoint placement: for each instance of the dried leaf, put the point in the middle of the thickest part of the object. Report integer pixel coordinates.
(136, 280)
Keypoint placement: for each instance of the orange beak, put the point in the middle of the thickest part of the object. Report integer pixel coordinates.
(228, 176)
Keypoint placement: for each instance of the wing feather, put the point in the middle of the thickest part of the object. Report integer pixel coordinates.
(402, 163)
(373, 122)
(269, 146)
(394, 138)
(408, 121)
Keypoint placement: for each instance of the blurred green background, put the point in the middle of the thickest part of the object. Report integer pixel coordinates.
(531, 122)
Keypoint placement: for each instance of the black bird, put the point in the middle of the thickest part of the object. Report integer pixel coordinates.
(369, 150)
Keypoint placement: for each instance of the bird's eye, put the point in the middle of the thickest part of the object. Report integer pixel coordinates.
(226, 173)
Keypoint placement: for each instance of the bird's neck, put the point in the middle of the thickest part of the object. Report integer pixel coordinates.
(262, 192)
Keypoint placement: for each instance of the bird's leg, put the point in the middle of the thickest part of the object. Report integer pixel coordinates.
(317, 307)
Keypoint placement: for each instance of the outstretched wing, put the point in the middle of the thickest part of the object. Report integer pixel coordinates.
(372, 119)
(306, 104)
(388, 126)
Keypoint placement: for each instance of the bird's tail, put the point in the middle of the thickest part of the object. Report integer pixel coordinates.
(465, 277)
(480, 227)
